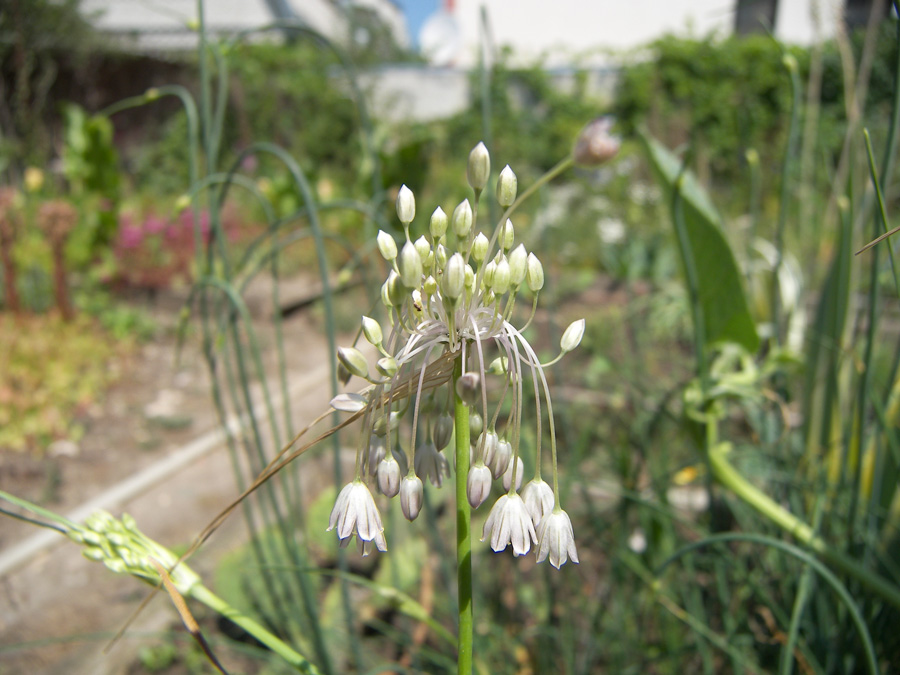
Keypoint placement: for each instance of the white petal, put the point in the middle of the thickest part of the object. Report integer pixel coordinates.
(350, 403)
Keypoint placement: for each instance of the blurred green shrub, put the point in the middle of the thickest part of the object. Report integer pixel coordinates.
(723, 97)
(720, 96)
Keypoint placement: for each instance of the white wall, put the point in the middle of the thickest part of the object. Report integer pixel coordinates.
(564, 31)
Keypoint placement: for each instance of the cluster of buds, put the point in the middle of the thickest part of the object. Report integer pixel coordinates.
(449, 296)
(124, 549)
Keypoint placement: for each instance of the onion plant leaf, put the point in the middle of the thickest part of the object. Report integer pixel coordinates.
(726, 315)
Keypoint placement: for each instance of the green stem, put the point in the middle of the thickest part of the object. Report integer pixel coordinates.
(731, 478)
(214, 602)
(463, 530)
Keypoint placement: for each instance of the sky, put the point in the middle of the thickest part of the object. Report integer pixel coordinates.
(416, 12)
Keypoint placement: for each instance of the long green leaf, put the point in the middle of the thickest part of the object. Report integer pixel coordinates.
(726, 316)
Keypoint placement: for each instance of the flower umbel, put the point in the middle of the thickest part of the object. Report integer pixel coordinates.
(450, 297)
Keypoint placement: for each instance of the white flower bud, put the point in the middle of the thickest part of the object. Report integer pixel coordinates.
(396, 289)
(595, 144)
(406, 205)
(501, 459)
(489, 271)
(518, 263)
(470, 277)
(479, 167)
(453, 282)
(387, 366)
(468, 388)
(410, 266)
(572, 337)
(498, 366)
(386, 293)
(376, 452)
(353, 360)
(479, 248)
(388, 474)
(440, 256)
(478, 484)
(519, 467)
(486, 447)
(386, 245)
(411, 495)
(534, 273)
(372, 331)
(462, 219)
(442, 432)
(417, 303)
(476, 424)
(423, 247)
(438, 224)
(507, 235)
(507, 186)
(429, 286)
(380, 427)
(500, 282)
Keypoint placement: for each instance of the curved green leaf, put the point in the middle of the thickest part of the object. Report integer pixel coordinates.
(726, 316)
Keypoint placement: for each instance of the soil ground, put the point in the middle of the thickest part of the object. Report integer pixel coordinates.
(58, 611)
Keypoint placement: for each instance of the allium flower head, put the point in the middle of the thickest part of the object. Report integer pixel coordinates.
(449, 307)
(355, 512)
(509, 523)
(556, 540)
